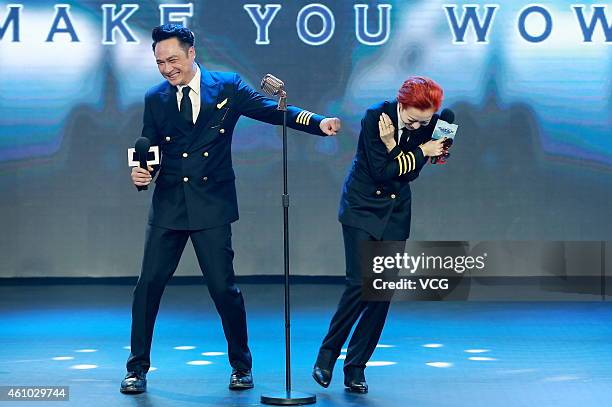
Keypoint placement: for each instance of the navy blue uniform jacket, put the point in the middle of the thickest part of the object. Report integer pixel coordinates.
(195, 187)
(377, 188)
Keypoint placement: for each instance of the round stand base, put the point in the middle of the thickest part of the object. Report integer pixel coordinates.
(291, 398)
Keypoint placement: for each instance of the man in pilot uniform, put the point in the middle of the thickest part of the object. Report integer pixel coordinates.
(191, 116)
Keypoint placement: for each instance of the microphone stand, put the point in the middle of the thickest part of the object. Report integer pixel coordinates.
(288, 397)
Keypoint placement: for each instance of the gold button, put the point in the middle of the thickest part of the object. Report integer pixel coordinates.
(392, 196)
(185, 179)
(378, 192)
(168, 138)
(205, 179)
(185, 155)
(222, 131)
(205, 154)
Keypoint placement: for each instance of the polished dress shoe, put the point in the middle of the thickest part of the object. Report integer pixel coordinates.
(134, 383)
(322, 376)
(356, 386)
(241, 379)
(354, 380)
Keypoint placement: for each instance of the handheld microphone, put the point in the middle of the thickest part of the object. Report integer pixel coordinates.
(447, 116)
(142, 150)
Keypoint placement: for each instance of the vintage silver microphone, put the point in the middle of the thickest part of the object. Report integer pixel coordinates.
(275, 87)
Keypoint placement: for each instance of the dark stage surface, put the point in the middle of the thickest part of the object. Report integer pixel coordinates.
(431, 353)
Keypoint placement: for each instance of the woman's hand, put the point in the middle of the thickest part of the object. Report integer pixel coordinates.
(433, 148)
(387, 131)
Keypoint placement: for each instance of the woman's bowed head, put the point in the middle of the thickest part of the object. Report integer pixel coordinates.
(418, 99)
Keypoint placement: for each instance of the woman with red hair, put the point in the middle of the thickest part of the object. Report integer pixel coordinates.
(394, 145)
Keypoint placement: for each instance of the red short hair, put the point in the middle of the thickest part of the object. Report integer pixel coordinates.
(420, 92)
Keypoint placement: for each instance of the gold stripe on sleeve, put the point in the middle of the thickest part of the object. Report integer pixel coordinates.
(400, 162)
(413, 161)
(309, 115)
(299, 117)
(406, 164)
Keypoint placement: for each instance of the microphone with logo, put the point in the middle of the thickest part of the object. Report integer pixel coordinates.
(444, 129)
(142, 151)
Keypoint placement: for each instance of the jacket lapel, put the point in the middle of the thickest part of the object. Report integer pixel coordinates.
(209, 90)
(168, 96)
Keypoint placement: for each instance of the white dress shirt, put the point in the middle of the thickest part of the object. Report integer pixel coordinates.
(400, 126)
(194, 94)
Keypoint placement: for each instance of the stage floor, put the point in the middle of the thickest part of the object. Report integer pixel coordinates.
(431, 353)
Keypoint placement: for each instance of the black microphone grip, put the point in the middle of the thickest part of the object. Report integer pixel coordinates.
(142, 146)
(142, 158)
(446, 144)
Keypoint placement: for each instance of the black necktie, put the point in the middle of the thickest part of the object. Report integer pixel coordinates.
(186, 108)
(403, 136)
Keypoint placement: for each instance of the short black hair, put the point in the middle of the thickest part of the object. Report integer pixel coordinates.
(183, 34)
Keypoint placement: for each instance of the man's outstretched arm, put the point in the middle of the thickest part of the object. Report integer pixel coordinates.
(259, 107)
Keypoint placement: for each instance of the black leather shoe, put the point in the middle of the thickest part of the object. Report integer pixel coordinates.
(134, 383)
(355, 386)
(241, 379)
(354, 380)
(322, 376)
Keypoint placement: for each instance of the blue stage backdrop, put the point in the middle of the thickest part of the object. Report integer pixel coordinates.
(530, 85)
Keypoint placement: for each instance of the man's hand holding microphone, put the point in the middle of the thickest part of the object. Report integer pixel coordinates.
(141, 177)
